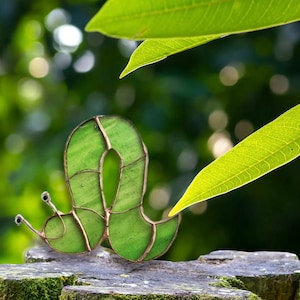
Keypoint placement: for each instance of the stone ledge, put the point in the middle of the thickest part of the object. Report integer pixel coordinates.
(102, 275)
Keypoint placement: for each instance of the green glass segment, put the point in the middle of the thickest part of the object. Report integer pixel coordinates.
(83, 148)
(93, 225)
(130, 234)
(131, 188)
(165, 235)
(69, 241)
(85, 191)
(124, 139)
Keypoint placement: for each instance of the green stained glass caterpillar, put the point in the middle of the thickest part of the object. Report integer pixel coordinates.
(95, 218)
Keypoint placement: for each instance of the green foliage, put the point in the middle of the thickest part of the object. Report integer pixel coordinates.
(268, 148)
(94, 217)
(170, 27)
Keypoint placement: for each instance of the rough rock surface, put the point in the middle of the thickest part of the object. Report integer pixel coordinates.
(102, 275)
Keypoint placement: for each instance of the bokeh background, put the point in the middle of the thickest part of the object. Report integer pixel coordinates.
(189, 109)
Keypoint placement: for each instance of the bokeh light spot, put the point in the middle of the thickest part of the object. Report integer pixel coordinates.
(187, 160)
(57, 17)
(159, 197)
(199, 208)
(37, 121)
(279, 84)
(218, 120)
(126, 47)
(67, 37)
(62, 60)
(15, 143)
(30, 89)
(219, 143)
(84, 63)
(38, 67)
(242, 129)
(229, 76)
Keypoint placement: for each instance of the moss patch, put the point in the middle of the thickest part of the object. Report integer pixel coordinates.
(234, 282)
(76, 296)
(230, 282)
(34, 289)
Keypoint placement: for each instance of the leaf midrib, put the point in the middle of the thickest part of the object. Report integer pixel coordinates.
(163, 11)
(176, 9)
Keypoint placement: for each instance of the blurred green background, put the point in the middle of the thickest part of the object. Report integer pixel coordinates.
(189, 109)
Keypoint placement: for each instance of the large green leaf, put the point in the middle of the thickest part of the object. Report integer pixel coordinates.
(154, 50)
(173, 26)
(135, 19)
(268, 148)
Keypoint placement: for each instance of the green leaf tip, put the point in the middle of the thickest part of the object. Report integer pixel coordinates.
(270, 147)
(154, 50)
(96, 150)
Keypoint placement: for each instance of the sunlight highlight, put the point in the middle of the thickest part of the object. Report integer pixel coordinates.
(67, 37)
(219, 143)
